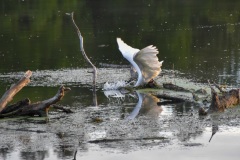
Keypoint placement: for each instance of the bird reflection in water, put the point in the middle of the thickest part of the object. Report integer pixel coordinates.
(147, 103)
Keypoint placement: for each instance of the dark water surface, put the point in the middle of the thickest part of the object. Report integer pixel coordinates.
(200, 39)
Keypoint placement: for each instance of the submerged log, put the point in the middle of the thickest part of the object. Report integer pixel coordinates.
(171, 98)
(8, 96)
(174, 87)
(25, 108)
(16, 106)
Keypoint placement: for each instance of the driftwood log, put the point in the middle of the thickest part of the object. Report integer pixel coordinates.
(25, 107)
(14, 89)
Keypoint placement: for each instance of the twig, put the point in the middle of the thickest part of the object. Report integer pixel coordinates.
(83, 51)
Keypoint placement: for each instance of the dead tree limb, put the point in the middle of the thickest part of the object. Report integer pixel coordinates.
(8, 95)
(83, 51)
(16, 106)
(88, 60)
(25, 108)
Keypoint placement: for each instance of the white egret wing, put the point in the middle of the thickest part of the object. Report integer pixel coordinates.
(148, 63)
(126, 50)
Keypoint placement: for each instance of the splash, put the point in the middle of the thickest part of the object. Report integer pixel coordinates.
(114, 85)
(113, 89)
(114, 94)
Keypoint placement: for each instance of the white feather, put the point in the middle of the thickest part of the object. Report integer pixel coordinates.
(145, 61)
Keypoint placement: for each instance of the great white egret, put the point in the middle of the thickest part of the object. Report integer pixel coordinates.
(145, 61)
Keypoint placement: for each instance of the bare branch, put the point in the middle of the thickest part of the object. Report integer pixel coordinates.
(88, 60)
(83, 51)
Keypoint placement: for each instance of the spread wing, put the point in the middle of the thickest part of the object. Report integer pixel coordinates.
(126, 50)
(148, 63)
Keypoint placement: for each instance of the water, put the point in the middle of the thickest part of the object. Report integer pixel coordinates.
(198, 40)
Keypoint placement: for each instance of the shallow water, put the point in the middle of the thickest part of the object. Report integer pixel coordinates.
(132, 125)
(198, 41)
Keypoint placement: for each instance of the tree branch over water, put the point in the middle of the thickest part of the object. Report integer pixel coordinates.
(83, 51)
(88, 60)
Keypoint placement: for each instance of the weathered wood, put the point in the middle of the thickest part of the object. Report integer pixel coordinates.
(87, 59)
(16, 106)
(8, 95)
(39, 108)
(83, 51)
